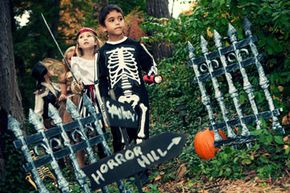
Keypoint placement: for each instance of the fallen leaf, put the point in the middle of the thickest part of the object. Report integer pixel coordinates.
(181, 171)
(157, 178)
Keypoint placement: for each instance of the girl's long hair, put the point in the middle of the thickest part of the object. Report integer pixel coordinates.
(79, 51)
(66, 59)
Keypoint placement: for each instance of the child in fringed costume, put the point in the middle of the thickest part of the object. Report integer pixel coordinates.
(46, 92)
(84, 69)
(83, 64)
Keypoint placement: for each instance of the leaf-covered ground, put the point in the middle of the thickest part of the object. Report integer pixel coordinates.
(183, 184)
(222, 186)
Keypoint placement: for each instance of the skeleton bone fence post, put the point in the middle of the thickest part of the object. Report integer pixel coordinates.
(232, 89)
(14, 125)
(36, 120)
(204, 96)
(263, 81)
(80, 175)
(89, 105)
(71, 108)
(246, 83)
(235, 57)
(218, 95)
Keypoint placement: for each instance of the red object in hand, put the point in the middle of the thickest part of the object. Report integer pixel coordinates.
(152, 79)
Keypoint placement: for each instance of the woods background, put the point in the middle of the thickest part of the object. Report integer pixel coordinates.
(176, 103)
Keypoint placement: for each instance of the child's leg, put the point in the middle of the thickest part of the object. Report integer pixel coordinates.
(143, 127)
(81, 158)
(117, 139)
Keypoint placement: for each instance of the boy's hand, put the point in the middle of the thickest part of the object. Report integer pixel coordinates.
(153, 79)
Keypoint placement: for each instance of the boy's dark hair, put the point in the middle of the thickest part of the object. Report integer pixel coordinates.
(106, 10)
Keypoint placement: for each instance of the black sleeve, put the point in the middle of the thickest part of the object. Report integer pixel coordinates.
(145, 58)
(102, 75)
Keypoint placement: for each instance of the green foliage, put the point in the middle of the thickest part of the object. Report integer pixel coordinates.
(153, 188)
(266, 158)
(14, 176)
(269, 156)
(176, 103)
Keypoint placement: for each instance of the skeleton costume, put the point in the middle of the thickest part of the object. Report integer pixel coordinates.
(120, 66)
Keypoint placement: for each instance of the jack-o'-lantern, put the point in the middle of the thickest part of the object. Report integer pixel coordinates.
(204, 143)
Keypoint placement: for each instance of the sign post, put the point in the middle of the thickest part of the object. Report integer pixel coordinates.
(134, 159)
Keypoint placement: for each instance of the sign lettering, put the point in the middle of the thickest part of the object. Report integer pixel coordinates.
(121, 114)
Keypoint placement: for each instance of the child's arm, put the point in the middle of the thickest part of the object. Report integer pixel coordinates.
(38, 107)
(101, 87)
(102, 75)
(63, 87)
(149, 66)
(147, 61)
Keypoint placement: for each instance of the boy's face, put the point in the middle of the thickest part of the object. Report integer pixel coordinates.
(86, 40)
(114, 25)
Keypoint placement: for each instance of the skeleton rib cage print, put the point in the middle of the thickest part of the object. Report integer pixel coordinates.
(122, 67)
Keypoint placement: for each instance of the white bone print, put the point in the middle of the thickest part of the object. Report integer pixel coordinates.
(141, 133)
(122, 67)
(131, 99)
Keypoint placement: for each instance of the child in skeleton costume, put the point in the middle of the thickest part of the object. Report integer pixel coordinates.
(46, 92)
(121, 64)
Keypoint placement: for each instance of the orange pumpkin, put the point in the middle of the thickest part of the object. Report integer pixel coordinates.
(204, 143)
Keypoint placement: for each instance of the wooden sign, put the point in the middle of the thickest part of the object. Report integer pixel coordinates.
(120, 114)
(134, 159)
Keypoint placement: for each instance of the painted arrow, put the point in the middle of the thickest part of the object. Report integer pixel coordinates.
(175, 141)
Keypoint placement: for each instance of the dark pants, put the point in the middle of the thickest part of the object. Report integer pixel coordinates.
(132, 132)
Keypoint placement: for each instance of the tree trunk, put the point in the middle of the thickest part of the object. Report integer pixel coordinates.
(10, 98)
(159, 9)
(98, 6)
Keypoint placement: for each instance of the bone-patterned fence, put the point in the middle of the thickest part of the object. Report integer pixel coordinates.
(225, 64)
(59, 142)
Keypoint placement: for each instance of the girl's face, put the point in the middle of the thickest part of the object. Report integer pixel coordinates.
(114, 25)
(87, 40)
